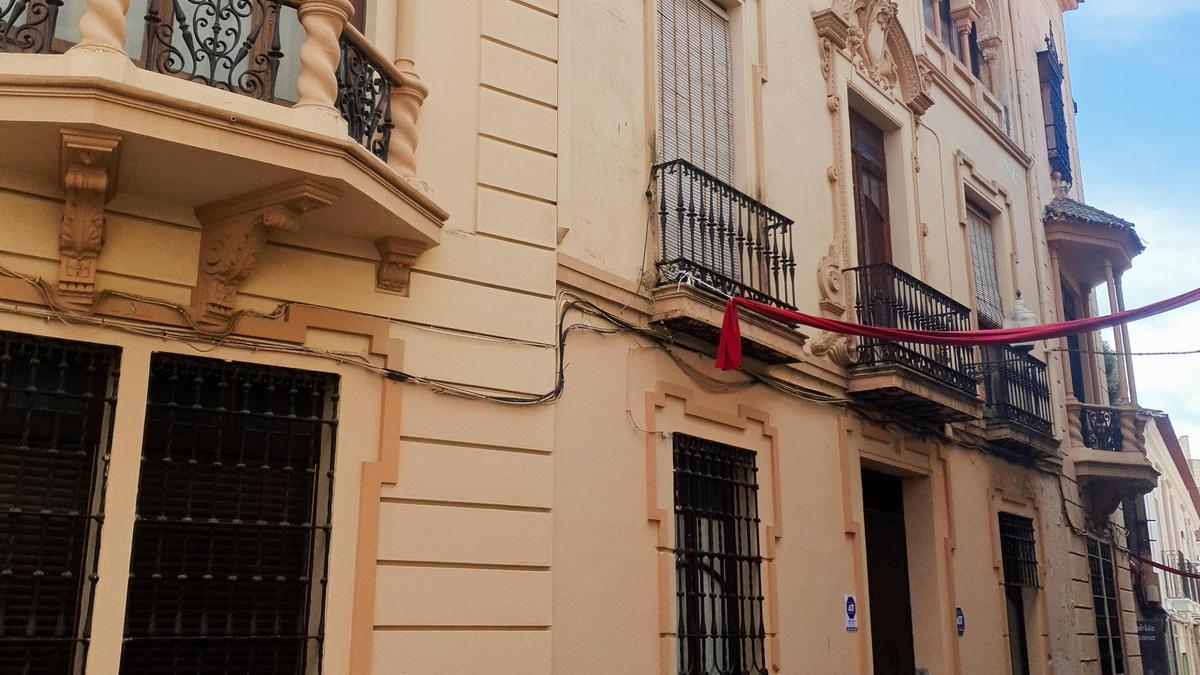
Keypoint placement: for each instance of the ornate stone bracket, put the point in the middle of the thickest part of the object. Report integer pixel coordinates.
(89, 180)
(396, 258)
(839, 348)
(235, 232)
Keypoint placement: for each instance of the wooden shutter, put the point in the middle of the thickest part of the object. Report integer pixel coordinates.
(983, 261)
(695, 86)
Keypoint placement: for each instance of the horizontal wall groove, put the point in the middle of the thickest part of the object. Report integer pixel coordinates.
(518, 48)
(509, 92)
(484, 284)
(462, 566)
(515, 144)
(478, 446)
(511, 240)
(482, 629)
(540, 10)
(517, 193)
(482, 506)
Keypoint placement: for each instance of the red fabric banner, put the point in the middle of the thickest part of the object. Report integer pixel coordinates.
(1169, 570)
(729, 350)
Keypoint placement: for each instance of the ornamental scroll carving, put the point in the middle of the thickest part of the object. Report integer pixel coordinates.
(831, 283)
(234, 233)
(870, 36)
(89, 180)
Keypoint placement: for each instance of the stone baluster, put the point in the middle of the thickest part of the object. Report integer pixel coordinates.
(407, 96)
(320, 53)
(102, 26)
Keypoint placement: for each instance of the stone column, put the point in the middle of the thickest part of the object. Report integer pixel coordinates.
(102, 26)
(1062, 342)
(1118, 337)
(320, 53)
(1124, 332)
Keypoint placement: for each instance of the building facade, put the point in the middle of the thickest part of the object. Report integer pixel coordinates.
(377, 336)
(1172, 517)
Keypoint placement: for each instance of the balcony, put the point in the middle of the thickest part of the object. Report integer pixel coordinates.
(1108, 449)
(1018, 413)
(223, 109)
(933, 383)
(1183, 593)
(716, 242)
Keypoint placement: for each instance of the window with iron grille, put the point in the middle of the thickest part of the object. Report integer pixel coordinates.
(56, 406)
(1104, 601)
(988, 304)
(718, 564)
(1020, 573)
(231, 539)
(695, 75)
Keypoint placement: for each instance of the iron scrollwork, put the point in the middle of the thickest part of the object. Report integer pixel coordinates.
(27, 26)
(227, 44)
(1101, 428)
(365, 98)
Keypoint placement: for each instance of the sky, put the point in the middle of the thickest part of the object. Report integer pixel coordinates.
(1137, 86)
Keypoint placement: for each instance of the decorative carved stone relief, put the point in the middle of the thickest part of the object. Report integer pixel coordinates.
(839, 348)
(89, 180)
(396, 258)
(877, 46)
(831, 283)
(234, 233)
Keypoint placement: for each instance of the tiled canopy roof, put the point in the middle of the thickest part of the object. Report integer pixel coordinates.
(1065, 208)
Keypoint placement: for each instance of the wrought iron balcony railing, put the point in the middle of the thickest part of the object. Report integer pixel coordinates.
(249, 47)
(891, 298)
(1018, 389)
(1178, 586)
(716, 237)
(1100, 427)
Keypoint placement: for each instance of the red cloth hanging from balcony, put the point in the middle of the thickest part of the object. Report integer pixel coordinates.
(729, 350)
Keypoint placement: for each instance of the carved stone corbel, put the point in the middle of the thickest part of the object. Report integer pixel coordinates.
(396, 258)
(235, 232)
(839, 348)
(89, 180)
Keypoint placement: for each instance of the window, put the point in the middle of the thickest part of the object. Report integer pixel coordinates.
(56, 405)
(1050, 74)
(929, 10)
(949, 36)
(1020, 576)
(230, 543)
(718, 564)
(988, 305)
(869, 164)
(1104, 601)
(695, 85)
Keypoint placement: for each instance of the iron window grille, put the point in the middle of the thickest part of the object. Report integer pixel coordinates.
(1104, 601)
(56, 407)
(231, 538)
(718, 563)
(1018, 551)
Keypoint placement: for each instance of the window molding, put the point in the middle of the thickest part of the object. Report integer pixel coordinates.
(672, 408)
(372, 443)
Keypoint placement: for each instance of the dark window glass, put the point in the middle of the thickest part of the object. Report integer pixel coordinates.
(232, 532)
(869, 163)
(949, 37)
(718, 564)
(56, 404)
(929, 11)
(1104, 602)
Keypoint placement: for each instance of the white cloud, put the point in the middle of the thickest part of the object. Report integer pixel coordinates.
(1170, 265)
